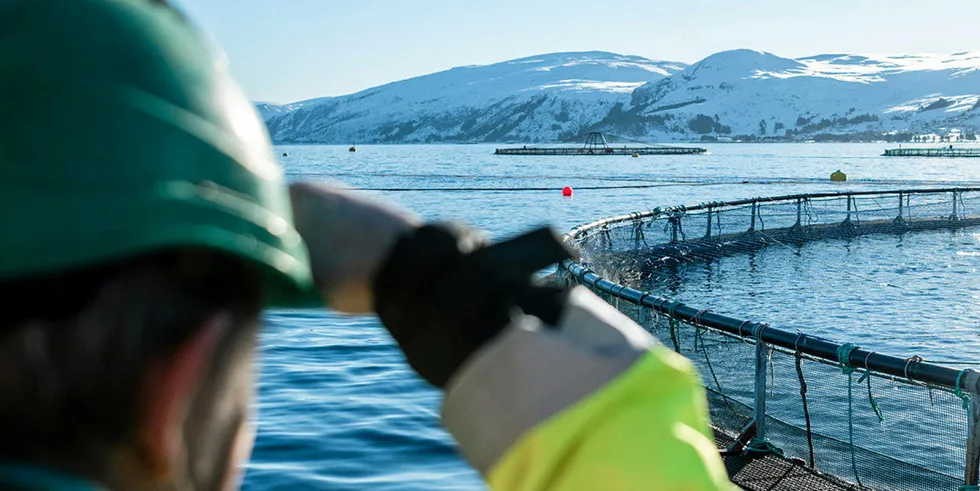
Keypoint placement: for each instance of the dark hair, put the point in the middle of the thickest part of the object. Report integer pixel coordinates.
(75, 346)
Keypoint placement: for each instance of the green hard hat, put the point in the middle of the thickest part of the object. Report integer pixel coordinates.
(122, 133)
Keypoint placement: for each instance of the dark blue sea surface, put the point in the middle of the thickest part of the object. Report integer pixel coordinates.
(339, 409)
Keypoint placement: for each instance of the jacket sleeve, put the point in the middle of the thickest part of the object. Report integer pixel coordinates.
(595, 404)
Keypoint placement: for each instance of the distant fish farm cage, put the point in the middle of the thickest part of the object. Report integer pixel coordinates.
(596, 144)
(932, 152)
(790, 409)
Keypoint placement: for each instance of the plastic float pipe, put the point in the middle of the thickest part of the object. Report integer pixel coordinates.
(921, 371)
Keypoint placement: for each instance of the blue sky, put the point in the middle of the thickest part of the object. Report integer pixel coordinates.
(289, 50)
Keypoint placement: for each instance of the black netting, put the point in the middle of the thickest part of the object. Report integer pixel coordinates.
(865, 429)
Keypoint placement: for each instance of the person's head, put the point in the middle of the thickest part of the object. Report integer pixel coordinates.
(144, 225)
(132, 373)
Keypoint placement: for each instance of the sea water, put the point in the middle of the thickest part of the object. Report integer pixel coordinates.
(339, 409)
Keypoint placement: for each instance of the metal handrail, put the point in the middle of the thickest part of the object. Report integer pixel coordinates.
(577, 231)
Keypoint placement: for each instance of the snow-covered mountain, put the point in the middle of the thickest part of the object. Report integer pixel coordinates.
(746, 92)
(269, 110)
(542, 98)
(560, 96)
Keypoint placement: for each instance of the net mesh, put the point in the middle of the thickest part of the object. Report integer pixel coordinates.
(871, 429)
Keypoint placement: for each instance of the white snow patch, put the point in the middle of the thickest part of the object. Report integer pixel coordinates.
(583, 85)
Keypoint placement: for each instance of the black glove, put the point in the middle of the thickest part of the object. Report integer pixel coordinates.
(444, 292)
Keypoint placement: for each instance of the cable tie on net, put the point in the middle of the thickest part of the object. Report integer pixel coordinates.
(867, 372)
(740, 334)
(959, 392)
(673, 309)
(844, 357)
(796, 344)
(642, 296)
(909, 361)
(697, 319)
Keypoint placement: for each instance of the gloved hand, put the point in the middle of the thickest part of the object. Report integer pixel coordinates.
(444, 292)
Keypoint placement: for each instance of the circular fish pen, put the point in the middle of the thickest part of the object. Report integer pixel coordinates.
(800, 407)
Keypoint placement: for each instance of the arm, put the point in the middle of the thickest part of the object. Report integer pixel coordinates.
(595, 404)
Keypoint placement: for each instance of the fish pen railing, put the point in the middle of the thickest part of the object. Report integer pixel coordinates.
(872, 419)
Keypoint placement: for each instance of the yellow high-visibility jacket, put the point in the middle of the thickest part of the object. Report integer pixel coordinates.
(594, 403)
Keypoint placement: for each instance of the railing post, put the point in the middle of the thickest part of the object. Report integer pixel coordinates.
(799, 211)
(953, 216)
(759, 445)
(972, 477)
(899, 220)
(754, 206)
(761, 369)
(708, 233)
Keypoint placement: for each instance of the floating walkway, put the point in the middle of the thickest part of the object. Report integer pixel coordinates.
(932, 152)
(596, 145)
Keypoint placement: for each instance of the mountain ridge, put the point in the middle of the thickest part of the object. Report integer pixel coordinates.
(736, 93)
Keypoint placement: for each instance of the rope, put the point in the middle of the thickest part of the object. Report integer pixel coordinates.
(711, 369)
(591, 188)
(871, 398)
(844, 352)
(844, 357)
(698, 337)
(959, 392)
(552, 189)
(969, 487)
(743, 337)
(740, 328)
(673, 326)
(698, 320)
(803, 390)
(850, 427)
(764, 446)
(698, 323)
(673, 334)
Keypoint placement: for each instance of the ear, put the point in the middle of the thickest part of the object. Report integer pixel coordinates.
(164, 397)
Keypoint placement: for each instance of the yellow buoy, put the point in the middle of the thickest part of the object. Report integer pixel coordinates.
(838, 176)
(636, 155)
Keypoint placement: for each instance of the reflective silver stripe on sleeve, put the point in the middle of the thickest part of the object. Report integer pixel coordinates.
(530, 373)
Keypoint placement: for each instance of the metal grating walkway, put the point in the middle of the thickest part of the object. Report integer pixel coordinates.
(774, 473)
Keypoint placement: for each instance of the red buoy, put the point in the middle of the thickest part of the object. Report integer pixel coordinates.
(566, 191)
